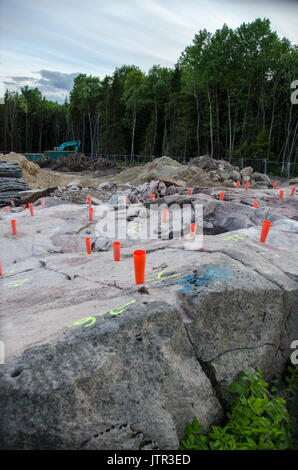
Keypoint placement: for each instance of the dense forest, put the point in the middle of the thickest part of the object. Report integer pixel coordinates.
(228, 95)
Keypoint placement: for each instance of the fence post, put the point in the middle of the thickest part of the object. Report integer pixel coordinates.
(289, 169)
(241, 163)
(265, 167)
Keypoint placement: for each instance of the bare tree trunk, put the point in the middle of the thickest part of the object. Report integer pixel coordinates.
(198, 120)
(83, 139)
(155, 126)
(272, 119)
(293, 143)
(217, 127)
(230, 127)
(287, 138)
(234, 132)
(245, 114)
(26, 135)
(90, 133)
(173, 127)
(210, 122)
(12, 111)
(185, 140)
(5, 131)
(164, 139)
(133, 132)
(40, 138)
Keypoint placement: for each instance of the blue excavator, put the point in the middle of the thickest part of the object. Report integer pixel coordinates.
(76, 143)
(57, 151)
(60, 152)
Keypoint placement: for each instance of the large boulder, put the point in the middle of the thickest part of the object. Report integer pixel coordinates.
(204, 162)
(247, 172)
(101, 244)
(262, 178)
(218, 170)
(251, 331)
(292, 182)
(35, 194)
(119, 384)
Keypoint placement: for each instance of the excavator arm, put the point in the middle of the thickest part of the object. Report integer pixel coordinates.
(77, 144)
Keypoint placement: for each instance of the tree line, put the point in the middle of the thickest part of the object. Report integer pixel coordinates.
(228, 95)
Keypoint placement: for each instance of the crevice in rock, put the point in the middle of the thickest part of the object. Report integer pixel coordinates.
(82, 228)
(292, 276)
(278, 350)
(44, 265)
(143, 290)
(108, 284)
(55, 251)
(95, 436)
(15, 274)
(239, 349)
(17, 371)
(208, 371)
(148, 444)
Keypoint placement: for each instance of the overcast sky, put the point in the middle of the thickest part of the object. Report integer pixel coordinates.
(45, 43)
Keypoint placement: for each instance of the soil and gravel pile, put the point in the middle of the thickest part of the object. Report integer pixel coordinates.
(76, 162)
(45, 162)
(223, 172)
(34, 176)
(38, 178)
(167, 170)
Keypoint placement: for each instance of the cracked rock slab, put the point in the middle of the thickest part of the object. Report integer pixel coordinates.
(94, 362)
(133, 370)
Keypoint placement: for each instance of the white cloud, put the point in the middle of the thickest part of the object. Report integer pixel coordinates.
(54, 85)
(96, 36)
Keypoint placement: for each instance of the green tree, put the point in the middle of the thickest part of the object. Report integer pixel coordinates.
(132, 97)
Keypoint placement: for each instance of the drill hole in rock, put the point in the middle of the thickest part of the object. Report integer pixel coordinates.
(17, 371)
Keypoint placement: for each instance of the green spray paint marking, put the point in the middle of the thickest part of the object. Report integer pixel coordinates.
(8, 274)
(91, 320)
(235, 238)
(135, 229)
(19, 283)
(159, 277)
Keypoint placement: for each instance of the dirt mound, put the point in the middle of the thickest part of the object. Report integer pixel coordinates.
(165, 169)
(76, 162)
(45, 162)
(223, 172)
(34, 176)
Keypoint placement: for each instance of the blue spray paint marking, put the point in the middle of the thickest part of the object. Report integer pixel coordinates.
(201, 278)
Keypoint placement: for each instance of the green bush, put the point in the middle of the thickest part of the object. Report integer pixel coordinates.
(256, 420)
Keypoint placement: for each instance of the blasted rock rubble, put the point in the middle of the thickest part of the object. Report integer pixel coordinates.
(169, 175)
(93, 361)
